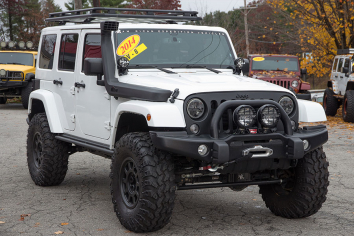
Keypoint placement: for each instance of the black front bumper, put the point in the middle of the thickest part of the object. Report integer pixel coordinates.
(232, 148)
(12, 84)
(303, 96)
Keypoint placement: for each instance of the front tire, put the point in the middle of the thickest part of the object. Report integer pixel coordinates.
(25, 93)
(348, 106)
(305, 191)
(143, 184)
(47, 157)
(330, 103)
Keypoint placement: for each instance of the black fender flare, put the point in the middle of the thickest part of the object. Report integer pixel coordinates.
(329, 84)
(350, 85)
(29, 77)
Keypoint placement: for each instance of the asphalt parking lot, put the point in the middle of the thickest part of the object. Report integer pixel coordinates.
(81, 205)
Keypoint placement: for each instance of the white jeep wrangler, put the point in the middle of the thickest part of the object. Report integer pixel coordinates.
(340, 88)
(167, 103)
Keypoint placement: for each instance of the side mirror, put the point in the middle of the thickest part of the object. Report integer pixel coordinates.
(345, 70)
(93, 66)
(304, 71)
(243, 65)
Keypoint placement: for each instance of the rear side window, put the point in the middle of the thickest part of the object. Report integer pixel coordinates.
(67, 54)
(340, 65)
(46, 55)
(346, 63)
(335, 65)
(92, 47)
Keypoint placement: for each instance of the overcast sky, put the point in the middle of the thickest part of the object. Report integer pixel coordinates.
(202, 6)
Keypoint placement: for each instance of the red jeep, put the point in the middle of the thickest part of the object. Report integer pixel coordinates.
(283, 70)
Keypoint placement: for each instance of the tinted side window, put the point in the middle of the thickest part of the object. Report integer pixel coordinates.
(335, 65)
(46, 55)
(67, 54)
(340, 65)
(92, 47)
(346, 63)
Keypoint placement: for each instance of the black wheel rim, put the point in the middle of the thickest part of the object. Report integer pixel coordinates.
(130, 183)
(37, 150)
(287, 187)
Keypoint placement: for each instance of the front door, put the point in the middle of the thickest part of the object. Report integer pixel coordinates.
(92, 101)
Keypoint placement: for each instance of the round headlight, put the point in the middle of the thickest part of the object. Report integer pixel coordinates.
(11, 44)
(29, 44)
(268, 116)
(195, 108)
(21, 44)
(287, 104)
(295, 83)
(123, 62)
(244, 116)
(3, 44)
(2, 72)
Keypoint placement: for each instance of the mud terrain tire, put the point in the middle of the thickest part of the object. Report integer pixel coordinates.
(47, 157)
(3, 100)
(25, 93)
(348, 106)
(142, 184)
(330, 103)
(307, 192)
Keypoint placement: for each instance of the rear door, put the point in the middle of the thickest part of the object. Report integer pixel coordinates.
(92, 101)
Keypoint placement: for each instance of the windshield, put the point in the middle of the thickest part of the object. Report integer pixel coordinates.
(174, 48)
(16, 58)
(275, 63)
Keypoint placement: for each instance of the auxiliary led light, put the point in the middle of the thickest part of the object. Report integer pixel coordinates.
(203, 150)
(11, 44)
(21, 44)
(3, 44)
(2, 72)
(29, 44)
(244, 116)
(268, 116)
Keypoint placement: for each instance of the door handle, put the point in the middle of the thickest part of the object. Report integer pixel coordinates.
(342, 77)
(79, 85)
(336, 76)
(57, 82)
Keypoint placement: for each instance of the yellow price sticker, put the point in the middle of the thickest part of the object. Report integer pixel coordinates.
(128, 45)
(136, 51)
(258, 58)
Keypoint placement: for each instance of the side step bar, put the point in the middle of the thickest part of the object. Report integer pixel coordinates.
(86, 144)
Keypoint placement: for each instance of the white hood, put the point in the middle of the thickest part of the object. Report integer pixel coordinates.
(197, 82)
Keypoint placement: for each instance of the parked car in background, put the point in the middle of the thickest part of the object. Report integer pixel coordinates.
(340, 87)
(17, 71)
(283, 70)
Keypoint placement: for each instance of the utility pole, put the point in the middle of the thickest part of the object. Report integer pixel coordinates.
(96, 3)
(245, 13)
(78, 4)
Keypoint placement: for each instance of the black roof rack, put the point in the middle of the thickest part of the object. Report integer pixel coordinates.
(124, 15)
(345, 51)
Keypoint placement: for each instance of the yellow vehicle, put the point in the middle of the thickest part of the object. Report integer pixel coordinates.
(17, 72)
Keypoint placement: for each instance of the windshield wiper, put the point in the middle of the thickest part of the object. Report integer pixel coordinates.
(15, 63)
(156, 67)
(208, 68)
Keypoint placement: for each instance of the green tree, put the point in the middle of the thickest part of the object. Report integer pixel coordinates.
(114, 3)
(70, 5)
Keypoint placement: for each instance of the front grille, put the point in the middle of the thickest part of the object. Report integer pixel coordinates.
(13, 75)
(283, 83)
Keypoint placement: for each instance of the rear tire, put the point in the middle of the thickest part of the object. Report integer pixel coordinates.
(25, 93)
(143, 184)
(47, 157)
(330, 103)
(306, 190)
(348, 106)
(3, 100)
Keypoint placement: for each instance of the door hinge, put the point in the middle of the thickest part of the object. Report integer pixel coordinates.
(72, 116)
(107, 125)
(107, 96)
(72, 90)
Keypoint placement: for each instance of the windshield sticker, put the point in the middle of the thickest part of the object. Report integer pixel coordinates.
(128, 45)
(258, 58)
(136, 51)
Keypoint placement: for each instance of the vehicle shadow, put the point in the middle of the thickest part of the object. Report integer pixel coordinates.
(12, 106)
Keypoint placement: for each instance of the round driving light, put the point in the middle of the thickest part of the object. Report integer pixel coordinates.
(203, 150)
(244, 116)
(287, 104)
(3, 44)
(306, 144)
(195, 108)
(123, 62)
(29, 44)
(295, 83)
(11, 44)
(21, 44)
(2, 72)
(293, 125)
(268, 116)
(194, 128)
